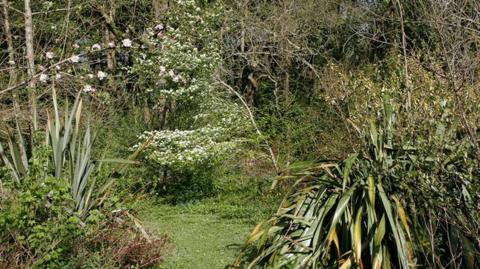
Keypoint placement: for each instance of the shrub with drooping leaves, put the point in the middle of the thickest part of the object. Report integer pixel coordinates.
(340, 215)
(397, 203)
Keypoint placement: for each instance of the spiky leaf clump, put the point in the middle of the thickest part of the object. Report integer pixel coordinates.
(339, 215)
(333, 220)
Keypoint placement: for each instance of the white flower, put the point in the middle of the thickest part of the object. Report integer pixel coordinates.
(76, 46)
(96, 47)
(111, 44)
(101, 75)
(47, 4)
(90, 76)
(176, 78)
(162, 69)
(88, 88)
(159, 27)
(58, 67)
(127, 43)
(49, 55)
(11, 62)
(43, 78)
(75, 59)
(171, 73)
(58, 76)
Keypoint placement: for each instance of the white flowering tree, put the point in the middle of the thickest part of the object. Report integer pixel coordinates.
(175, 65)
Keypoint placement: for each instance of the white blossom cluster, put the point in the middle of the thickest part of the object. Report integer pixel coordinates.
(183, 149)
(64, 67)
(229, 115)
(178, 71)
(180, 62)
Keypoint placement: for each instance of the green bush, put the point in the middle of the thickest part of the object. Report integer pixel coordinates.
(188, 187)
(40, 229)
(37, 223)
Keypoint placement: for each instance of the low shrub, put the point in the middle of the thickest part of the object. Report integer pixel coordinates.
(121, 241)
(39, 229)
(37, 224)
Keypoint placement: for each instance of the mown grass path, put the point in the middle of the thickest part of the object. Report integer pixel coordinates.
(199, 240)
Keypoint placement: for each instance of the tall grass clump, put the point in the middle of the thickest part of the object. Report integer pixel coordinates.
(69, 151)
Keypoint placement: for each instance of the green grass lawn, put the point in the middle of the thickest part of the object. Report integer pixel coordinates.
(209, 233)
(203, 241)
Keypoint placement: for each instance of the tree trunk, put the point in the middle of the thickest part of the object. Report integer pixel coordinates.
(159, 6)
(12, 73)
(404, 49)
(30, 62)
(66, 26)
(110, 37)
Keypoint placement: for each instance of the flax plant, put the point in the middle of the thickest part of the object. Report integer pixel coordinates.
(338, 215)
(70, 151)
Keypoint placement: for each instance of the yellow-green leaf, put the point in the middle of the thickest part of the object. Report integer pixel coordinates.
(357, 237)
(371, 191)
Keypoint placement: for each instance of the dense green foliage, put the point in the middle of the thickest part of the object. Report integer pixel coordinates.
(351, 214)
(364, 113)
(39, 221)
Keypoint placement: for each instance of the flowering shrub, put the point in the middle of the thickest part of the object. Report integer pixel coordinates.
(181, 56)
(184, 149)
(177, 66)
(216, 133)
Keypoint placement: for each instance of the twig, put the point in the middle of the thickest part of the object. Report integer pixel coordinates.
(36, 75)
(252, 119)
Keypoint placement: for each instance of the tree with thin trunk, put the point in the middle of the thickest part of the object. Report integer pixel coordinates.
(12, 72)
(30, 62)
